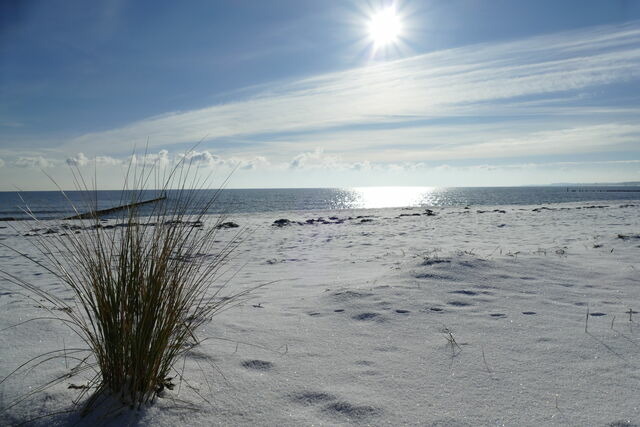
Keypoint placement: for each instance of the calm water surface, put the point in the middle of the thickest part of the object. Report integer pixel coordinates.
(47, 205)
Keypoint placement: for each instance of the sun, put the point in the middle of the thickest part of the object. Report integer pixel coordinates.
(385, 27)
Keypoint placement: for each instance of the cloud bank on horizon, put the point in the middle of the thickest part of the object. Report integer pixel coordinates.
(554, 107)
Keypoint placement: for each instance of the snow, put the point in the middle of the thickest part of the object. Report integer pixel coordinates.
(466, 317)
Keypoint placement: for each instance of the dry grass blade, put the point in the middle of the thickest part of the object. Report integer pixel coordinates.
(143, 288)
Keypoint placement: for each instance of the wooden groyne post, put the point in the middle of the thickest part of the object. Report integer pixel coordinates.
(98, 213)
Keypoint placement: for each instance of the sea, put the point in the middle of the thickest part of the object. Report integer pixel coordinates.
(56, 205)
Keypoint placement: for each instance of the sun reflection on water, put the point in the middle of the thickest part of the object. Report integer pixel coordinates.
(391, 197)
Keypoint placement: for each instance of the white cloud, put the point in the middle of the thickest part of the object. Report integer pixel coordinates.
(78, 160)
(318, 159)
(203, 158)
(361, 166)
(33, 162)
(160, 159)
(253, 163)
(1, 163)
(207, 159)
(81, 160)
(314, 159)
(107, 160)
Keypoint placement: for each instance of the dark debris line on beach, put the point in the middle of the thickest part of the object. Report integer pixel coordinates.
(284, 222)
(77, 228)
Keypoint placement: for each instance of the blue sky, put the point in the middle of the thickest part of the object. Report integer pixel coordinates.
(294, 93)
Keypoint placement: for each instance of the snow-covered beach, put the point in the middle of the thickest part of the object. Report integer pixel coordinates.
(510, 315)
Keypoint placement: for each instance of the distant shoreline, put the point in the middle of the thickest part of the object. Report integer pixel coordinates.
(597, 184)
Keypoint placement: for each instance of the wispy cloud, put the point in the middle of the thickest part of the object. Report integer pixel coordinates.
(533, 165)
(473, 80)
(474, 141)
(10, 124)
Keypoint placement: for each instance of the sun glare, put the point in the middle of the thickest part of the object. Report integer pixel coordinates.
(385, 27)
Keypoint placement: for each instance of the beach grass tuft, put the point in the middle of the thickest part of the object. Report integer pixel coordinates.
(142, 283)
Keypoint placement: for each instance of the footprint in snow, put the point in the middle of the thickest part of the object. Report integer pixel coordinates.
(350, 295)
(312, 397)
(354, 412)
(368, 316)
(258, 365)
(464, 292)
(622, 423)
(458, 303)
